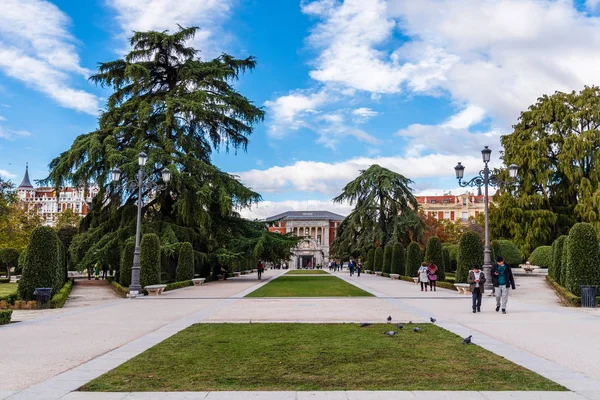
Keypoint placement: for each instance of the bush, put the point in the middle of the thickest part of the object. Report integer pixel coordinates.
(557, 250)
(563, 262)
(446, 257)
(59, 299)
(413, 259)
(185, 263)
(150, 260)
(378, 259)
(583, 258)
(5, 316)
(9, 258)
(399, 259)
(41, 267)
(126, 263)
(387, 258)
(22, 259)
(433, 254)
(370, 259)
(61, 273)
(470, 252)
(179, 285)
(541, 256)
(120, 290)
(508, 250)
(453, 253)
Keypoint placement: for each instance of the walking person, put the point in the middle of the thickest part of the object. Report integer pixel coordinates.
(477, 280)
(104, 271)
(351, 265)
(502, 279)
(260, 268)
(423, 276)
(432, 270)
(358, 267)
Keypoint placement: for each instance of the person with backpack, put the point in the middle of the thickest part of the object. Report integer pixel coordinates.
(432, 275)
(423, 276)
(260, 268)
(502, 279)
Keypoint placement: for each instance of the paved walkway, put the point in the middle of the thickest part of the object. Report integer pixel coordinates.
(90, 292)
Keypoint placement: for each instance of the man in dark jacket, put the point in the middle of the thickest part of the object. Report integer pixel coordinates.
(502, 279)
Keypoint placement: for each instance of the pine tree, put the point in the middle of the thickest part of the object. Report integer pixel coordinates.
(399, 259)
(413, 259)
(185, 263)
(378, 259)
(371, 260)
(387, 258)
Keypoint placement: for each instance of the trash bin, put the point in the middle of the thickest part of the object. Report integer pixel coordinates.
(42, 296)
(588, 296)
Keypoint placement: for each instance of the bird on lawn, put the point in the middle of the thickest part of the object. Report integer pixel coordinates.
(390, 333)
(364, 325)
(399, 326)
(389, 319)
(432, 320)
(467, 340)
(417, 329)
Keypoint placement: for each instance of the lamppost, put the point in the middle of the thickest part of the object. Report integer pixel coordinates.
(134, 287)
(485, 179)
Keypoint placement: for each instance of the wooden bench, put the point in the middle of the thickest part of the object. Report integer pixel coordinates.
(394, 276)
(198, 281)
(378, 273)
(463, 288)
(155, 290)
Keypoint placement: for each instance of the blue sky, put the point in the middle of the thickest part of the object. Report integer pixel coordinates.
(412, 85)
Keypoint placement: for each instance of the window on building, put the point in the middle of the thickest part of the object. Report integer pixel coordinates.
(465, 216)
(464, 201)
(446, 214)
(433, 201)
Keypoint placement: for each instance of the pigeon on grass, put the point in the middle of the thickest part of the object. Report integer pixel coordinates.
(417, 329)
(390, 333)
(467, 340)
(364, 324)
(399, 326)
(389, 319)
(432, 320)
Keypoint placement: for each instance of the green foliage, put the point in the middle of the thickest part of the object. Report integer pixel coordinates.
(41, 268)
(5, 316)
(413, 259)
(9, 258)
(122, 291)
(22, 259)
(126, 263)
(378, 259)
(185, 263)
(446, 257)
(67, 218)
(434, 254)
(383, 211)
(453, 253)
(563, 262)
(59, 299)
(508, 250)
(61, 272)
(179, 285)
(554, 271)
(370, 260)
(387, 258)
(399, 259)
(583, 258)
(470, 252)
(541, 256)
(150, 260)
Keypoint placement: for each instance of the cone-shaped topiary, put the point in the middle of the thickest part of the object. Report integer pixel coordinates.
(41, 267)
(126, 263)
(508, 250)
(541, 256)
(470, 252)
(446, 257)
(563, 262)
(399, 259)
(150, 260)
(370, 259)
(378, 259)
(413, 259)
(557, 250)
(433, 254)
(453, 253)
(583, 258)
(387, 258)
(185, 263)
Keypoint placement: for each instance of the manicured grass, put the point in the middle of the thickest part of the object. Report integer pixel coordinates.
(308, 286)
(209, 357)
(306, 272)
(7, 289)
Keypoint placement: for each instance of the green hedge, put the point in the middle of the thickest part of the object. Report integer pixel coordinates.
(470, 252)
(150, 260)
(508, 250)
(567, 298)
(370, 259)
(434, 254)
(563, 262)
(126, 263)
(399, 259)
(120, 290)
(185, 263)
(9, 258)
(179, 285)
(387, 258)
(446, 257)
(453, 254)
(22, 259)
(378, 263)
(583, 258)
(555, 268)
(5, 316)
(41, 268)
(59, 299)
(413, 259)
(541, 256)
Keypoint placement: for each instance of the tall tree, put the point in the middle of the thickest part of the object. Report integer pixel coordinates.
(384, 211)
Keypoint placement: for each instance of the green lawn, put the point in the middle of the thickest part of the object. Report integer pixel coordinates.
(209, 357)
(306, 272)
(7, 289)
(308, 286)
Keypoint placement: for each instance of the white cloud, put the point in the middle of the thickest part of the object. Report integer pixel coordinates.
(12, 134)
(290, 112)
(267, 209)
(2, 118)
(592, 4)
(37, 49)
(363, 114)
(4, 173)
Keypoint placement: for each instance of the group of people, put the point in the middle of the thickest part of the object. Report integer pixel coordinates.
(428, 276)
(335, 265)
(353, 266)
(502, 280)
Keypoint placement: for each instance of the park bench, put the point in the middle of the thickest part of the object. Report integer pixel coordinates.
(236, 273)
(155, 290)
(378, 273)
(463, 288)
(198, 281)
(220, 277)
(367, 271)
(394, 276)
(254, 270)
(416, 279)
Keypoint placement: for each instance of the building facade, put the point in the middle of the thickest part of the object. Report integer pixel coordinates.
(45, 202)
(317, 227)
(452, 207)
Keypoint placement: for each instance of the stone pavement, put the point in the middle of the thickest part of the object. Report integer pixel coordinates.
(90, 292)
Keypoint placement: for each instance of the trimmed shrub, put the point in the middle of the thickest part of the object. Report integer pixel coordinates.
(508, 250)
(370, 259)
(446, 257)
(61, 273)
(557, 250)
(470, 252)
(22, 259)
(120, 290)
(563, 262)
(150, 260)
(541, 256)
(179, 285)
(387, 258)
(413, 259)
(583, 258)
(41, 267)
(453, 253)
(185, 263)
(378, 259)
(5, 316)
(398, 259)
(60, 298)
(126, 263)
(433, 254)
(9, 258)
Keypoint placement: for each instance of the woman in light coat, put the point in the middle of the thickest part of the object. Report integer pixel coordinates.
(423, 276)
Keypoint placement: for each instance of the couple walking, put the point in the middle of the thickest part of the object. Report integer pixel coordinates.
(502, 279)
(428, 275)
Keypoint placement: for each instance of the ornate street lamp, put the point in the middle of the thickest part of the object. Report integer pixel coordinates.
(485, 179)
(139, 185)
